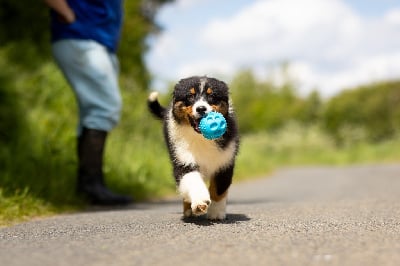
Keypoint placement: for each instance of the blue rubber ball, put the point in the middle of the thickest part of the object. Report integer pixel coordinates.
(213, 125)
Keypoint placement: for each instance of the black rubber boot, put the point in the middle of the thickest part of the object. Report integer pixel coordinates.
(90, 174)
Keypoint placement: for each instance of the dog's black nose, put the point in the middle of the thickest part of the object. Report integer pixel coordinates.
(201, 109)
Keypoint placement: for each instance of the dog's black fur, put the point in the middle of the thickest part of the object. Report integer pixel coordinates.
(191, 154)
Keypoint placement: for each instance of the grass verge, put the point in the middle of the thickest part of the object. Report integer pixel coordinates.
(142, 167)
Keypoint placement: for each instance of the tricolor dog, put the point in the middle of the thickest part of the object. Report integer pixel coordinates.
(195, 159)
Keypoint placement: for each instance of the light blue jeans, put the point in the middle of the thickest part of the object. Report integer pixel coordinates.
(92, 71)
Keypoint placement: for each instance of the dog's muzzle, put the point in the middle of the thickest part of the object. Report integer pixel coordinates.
(200, 109)
(199, 112)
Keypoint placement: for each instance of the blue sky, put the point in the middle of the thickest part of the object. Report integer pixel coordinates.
(329, 44)
(373, 8)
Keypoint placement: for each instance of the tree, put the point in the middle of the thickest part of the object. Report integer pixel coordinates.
(373, 109)
(139, 24)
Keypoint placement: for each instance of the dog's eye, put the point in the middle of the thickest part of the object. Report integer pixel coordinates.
(191, 94)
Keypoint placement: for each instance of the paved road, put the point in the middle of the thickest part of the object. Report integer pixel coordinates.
(302, 216)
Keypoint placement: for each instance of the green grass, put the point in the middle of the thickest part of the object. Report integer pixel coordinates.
(37, 148)
(21, 206)
(139, 165)
(295, 145)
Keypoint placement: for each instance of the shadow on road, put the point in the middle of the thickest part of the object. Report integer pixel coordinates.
(231, 218)
(252, 201)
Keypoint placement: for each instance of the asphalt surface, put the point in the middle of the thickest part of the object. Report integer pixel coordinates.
(299, 216)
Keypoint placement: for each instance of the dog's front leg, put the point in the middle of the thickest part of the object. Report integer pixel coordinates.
(195, 194)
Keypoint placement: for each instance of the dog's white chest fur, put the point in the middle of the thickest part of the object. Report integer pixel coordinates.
(192, 148)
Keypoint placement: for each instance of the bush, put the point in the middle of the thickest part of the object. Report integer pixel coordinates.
(371, 112)
(40, 155)
(264, 106)
(37, 112)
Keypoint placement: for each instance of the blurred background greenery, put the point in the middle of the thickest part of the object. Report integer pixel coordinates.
(279, 127)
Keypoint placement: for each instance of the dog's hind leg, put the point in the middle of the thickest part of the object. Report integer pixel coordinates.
(217, 210)
(187, 209)
(219, 191)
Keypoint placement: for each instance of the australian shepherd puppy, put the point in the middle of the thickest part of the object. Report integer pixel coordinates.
(195, 159)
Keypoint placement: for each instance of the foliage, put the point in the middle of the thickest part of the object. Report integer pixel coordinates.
(138, 25)
(297, 144)
(24, 31)
(22, 206)
(37, 130)
(47, 141)
(38, 164)
(268, 107)
(38, 161)
(369, 112)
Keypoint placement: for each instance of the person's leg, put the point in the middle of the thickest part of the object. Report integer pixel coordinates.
(90, 181)
(93, 74)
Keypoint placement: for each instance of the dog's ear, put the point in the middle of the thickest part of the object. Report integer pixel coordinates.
(178, 94)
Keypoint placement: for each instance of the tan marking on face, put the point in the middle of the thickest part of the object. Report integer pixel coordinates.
(182, 112)
(213, 192)
(192, 91)
(209, 91)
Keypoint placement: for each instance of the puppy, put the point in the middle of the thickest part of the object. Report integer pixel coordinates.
(195, 159)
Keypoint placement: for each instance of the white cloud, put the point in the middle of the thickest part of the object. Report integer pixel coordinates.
(165, 46)
(218, 68)
(393, 16)
(368, 69)
(277, 30)
(329, 45)
(186, 4)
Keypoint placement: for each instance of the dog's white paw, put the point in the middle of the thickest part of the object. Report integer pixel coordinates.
(200, 207)
(217, 210)
(194, 191)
